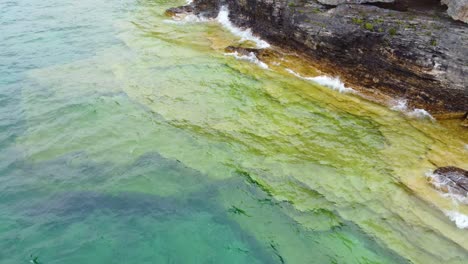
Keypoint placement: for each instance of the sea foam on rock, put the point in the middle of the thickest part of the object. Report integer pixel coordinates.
(331, 82)
(452, 181)
(250, 57)
(409, 55)
(401, 105)
(244, 33)
(460, 220)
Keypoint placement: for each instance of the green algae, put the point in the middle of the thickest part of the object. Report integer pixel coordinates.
(184, 155)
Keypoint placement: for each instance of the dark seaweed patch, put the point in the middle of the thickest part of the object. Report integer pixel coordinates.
(275, 250)
(252, 181)
(237, 210)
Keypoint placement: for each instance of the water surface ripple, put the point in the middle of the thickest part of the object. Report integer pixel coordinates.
(125, 137)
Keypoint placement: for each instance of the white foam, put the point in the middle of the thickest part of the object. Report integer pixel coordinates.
(441, 183)
(188, 2)
(244, 34)
(420, 114)
(250, 58)
(223, 19)
(401, 105)
(461, 220)
(331, 82)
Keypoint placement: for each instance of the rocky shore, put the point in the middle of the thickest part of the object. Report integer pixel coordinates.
(451, 180)
(409, 50)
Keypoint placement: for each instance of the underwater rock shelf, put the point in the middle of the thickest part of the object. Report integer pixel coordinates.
(416, 54)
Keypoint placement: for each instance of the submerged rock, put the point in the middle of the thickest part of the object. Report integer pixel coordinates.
(179, 10)
(414, 55)
(451, 180)
(264, 54)
(242, 50)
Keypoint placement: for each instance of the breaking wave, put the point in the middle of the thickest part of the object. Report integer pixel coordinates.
(223, 19)
(402, 106)
(250, 58)
(244, 34)
(331, 82)
(461, 220)
(441, 183)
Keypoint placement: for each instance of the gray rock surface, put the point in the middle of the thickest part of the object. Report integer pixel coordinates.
(415, 55)
(452, 180)
(339, 2)
(457, 9)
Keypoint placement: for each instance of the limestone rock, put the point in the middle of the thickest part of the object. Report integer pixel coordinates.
(451, 180)
(457, 9)
(416, 56)
(339, 2)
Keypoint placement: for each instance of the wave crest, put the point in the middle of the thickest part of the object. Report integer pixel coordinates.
(331, 82)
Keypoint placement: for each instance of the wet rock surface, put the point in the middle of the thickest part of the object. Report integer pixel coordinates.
(242, 50)
(179, 10)
(263, 54)
(451, 180)
(419, 56)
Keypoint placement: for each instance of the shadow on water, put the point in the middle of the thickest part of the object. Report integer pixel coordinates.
(121, 214)
(233, 220)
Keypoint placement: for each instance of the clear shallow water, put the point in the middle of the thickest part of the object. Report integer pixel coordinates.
(128, 138)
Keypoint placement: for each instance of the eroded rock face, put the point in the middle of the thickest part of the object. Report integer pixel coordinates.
(416, 56)
(465, 121)
(339, 2)
(451, 180)
(457, 9)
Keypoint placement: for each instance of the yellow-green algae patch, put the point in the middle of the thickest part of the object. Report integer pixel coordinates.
(332, 158)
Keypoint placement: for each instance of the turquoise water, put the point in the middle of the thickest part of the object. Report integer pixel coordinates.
(126, 137)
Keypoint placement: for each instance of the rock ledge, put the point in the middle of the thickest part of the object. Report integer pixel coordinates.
(421, 57)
